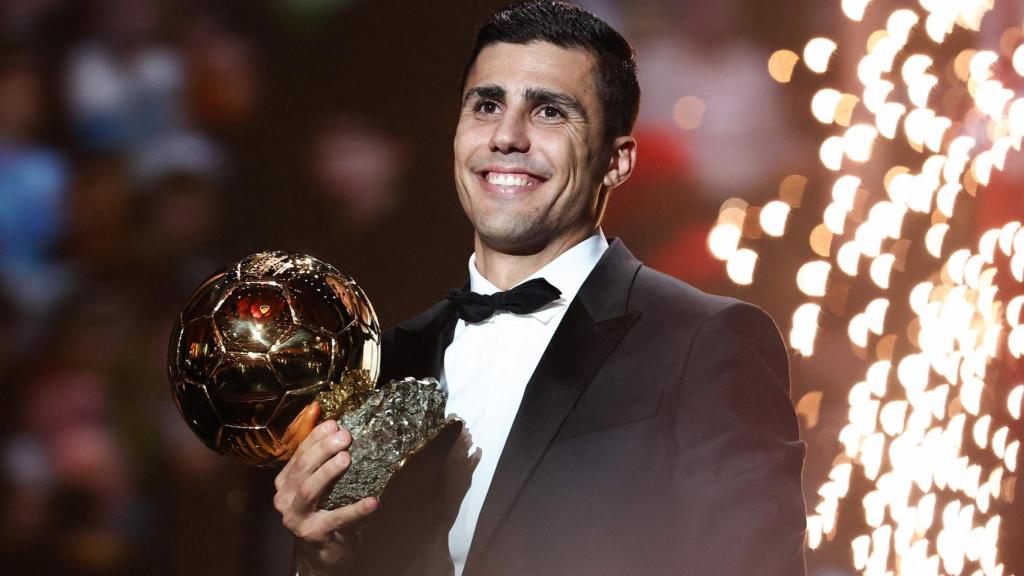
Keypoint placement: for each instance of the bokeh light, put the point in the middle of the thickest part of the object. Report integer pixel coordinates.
(927, 443)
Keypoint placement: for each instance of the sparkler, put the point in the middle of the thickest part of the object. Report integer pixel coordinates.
(927, 439)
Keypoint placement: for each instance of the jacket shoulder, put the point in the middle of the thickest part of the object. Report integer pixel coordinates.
(656, 291)
(671, 303)
(716, 320)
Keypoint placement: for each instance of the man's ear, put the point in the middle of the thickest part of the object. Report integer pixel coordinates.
(622, 163)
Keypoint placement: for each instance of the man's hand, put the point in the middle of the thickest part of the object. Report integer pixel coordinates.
(320, 459)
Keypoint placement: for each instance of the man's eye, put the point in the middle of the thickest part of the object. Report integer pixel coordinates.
(487, 107)
(551, 112)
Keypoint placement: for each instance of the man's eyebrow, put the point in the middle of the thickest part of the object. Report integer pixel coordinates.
(537, 96)
(487, 92)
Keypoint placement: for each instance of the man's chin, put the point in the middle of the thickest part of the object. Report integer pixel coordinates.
(516, 242)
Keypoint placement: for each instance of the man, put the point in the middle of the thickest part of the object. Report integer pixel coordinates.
(625, 422)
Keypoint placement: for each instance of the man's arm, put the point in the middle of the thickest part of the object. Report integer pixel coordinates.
(739, 505)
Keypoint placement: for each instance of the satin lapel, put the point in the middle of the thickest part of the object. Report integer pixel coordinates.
(578, 349)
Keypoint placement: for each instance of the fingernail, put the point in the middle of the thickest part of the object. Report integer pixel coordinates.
(370, 504)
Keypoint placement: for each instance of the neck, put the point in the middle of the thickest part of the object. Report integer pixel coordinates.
(505, 270)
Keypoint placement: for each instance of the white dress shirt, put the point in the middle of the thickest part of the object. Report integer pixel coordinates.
(487, 367)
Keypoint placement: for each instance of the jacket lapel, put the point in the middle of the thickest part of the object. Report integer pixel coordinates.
(595, 322)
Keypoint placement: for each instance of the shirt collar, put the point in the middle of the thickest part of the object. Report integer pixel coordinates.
(567, 272)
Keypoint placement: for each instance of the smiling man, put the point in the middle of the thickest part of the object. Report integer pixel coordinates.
(622, 422)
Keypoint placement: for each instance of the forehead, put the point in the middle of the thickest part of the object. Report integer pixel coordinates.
(516, 67)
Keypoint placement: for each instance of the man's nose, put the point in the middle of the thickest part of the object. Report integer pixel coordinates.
(510, 134)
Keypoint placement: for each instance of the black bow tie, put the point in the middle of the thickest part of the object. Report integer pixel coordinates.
(523, 299)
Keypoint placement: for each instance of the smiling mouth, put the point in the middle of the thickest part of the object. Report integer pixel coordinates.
(510, 181)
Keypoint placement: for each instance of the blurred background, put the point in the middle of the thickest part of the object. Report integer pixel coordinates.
(145, 143)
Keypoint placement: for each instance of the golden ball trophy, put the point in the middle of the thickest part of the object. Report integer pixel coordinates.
(262, 339)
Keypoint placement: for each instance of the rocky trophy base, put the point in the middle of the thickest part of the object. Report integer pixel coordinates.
(390, 425)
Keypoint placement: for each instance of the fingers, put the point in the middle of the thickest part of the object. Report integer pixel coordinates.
(307, 461)
(342, 517)
(320, 528)
(313, 456)
(460, 449)
(312, 467)
(312, 487)
(466, 440)
(324, 429)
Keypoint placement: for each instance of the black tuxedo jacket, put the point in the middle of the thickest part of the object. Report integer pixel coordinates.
(655, 437)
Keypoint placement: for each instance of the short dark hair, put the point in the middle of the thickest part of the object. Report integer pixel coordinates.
(570, 26)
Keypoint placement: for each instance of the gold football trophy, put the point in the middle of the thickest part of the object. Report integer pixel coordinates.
(262, 339)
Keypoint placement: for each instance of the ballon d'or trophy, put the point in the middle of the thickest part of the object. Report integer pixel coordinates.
(262, 339)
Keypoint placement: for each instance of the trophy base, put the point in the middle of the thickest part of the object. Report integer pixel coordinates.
(399, 434)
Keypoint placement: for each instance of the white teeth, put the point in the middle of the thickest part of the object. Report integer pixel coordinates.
(506, 179)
